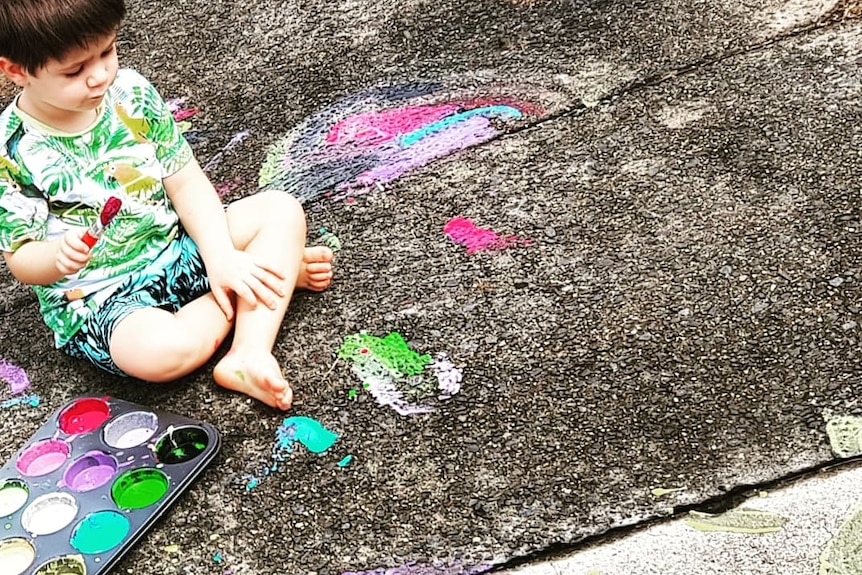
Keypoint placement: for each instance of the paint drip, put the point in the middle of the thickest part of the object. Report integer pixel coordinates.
(465, 232)
(32, 400)
(307, 431)
(398, 377)
(375, 136)
(329, 239)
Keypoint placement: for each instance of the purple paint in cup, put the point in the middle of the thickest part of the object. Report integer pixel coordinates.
(90, 471)
(43, 457)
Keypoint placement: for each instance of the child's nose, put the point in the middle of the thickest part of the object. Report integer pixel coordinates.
(97, 77)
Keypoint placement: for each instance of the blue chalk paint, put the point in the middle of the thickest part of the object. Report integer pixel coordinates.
(501, 111)
(308, 431)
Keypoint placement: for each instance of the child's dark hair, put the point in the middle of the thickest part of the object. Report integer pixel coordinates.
(32, 32)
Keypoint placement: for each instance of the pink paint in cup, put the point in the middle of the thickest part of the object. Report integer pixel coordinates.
(43, 457)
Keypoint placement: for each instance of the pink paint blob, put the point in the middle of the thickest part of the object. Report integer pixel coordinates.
(465, 232)
(84, 415)
(373, 128)
(184, 114)
(43, 457)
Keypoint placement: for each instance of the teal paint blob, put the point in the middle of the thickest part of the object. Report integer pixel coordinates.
(309, 432)
(99, 532)
(346, 461)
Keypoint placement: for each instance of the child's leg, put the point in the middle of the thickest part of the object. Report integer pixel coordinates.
(156, 345)
(249, 367)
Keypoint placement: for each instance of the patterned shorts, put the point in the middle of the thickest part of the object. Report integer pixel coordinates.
(163, 284)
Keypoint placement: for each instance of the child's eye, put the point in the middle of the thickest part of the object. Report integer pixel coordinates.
(74, 73)
(110, 50)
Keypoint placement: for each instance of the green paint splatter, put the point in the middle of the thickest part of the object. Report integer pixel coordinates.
(843, 554)
(736, 521)
(845, 435)
(351, 394)
(391, 351)
(240, 375)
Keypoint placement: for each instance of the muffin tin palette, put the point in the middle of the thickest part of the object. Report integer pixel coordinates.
(91, 481)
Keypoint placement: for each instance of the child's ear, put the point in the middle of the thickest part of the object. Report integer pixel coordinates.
(13, 71)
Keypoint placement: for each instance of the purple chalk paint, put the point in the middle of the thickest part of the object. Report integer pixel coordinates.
(414, 568)
(470, 132)
(90, 471)
(15, 376)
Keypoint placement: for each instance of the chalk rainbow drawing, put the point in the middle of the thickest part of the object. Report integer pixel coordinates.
(396, 376)
(375, 136)
(465, 232)
(306, 430)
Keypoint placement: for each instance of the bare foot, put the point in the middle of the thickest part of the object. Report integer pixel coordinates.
(316, 271)
(255, 374)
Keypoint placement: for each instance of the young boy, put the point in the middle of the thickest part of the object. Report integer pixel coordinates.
(175, 271)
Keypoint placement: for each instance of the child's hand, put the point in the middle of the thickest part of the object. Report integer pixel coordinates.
(72, 253)
(251, 279)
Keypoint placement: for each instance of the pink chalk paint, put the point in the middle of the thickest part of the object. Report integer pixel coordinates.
(225, 188)
(15, 376)
(43, 457)
(374, 128)
(184, 114)
(465, 232)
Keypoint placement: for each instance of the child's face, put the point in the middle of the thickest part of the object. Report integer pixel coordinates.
(75, 84)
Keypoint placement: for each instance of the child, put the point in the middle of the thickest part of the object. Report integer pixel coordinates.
(175, 271)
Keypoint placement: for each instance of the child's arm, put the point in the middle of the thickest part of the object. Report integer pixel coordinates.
(46, 262)
(229, 269)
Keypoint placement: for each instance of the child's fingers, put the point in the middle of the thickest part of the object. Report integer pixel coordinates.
(273, 283)
(223, 302)
(69, 259)
(261, 291)
(72, 242)
(266, 266)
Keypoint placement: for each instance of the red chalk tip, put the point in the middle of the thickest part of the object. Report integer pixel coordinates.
(112, 206)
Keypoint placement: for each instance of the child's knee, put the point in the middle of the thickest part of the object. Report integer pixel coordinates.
(284, 207)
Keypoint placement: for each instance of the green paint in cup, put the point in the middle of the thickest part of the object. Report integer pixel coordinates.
(139, 488)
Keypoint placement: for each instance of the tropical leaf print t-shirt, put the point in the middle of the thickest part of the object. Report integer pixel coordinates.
(51, 182)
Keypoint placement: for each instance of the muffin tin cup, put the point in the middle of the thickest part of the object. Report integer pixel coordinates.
(91, 481)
